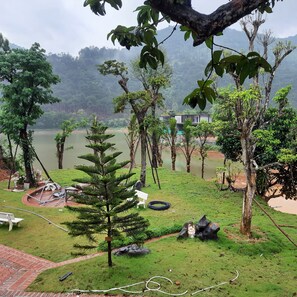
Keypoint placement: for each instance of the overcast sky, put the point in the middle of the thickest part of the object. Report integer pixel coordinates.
(66, 26)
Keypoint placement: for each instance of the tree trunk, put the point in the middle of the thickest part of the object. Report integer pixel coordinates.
(12, 159)
(202, 166)
(143, 146)
(27, 157)
(224, 173)
(159, 158)
(109, 254)
(188, 164)
(132, 155)
(2, 161)
(155, 147)
(109, 238)
(250, 172)
(60, 159)
(60, 151)
(173, 155)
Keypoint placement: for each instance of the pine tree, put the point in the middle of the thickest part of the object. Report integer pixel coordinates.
(106, 196)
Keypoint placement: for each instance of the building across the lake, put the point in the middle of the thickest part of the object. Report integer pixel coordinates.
(180, 119)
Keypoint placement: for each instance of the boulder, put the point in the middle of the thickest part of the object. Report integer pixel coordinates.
(204, 229)
(132, 250)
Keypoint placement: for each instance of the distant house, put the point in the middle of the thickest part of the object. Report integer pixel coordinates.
(180, 119)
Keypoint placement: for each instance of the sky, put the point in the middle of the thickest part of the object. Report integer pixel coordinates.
(65, 26)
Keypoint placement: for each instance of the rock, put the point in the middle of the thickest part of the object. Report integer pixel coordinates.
(202, 224)
(132, 250)
(184, 232)
(209, 232)
(138, 185)
(204, 229)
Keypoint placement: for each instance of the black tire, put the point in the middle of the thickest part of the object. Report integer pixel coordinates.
(162, 205)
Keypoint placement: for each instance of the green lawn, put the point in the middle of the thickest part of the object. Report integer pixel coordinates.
(193, 263)
(267, 266)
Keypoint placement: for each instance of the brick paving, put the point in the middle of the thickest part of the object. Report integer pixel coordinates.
(18, 270)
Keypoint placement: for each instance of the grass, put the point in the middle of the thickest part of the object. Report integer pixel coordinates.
(194, 264)
(36, 236)
(267, 265)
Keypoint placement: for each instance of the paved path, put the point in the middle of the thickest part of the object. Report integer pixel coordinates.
(18, 270)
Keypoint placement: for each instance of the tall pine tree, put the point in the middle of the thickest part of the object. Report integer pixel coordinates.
(106, 196)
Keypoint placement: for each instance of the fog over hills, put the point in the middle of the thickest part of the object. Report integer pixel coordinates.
(84, 89)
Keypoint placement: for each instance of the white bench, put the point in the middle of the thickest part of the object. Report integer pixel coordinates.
(9, 218)
(142, 197)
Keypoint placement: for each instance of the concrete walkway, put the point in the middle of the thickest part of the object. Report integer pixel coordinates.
(18, 270)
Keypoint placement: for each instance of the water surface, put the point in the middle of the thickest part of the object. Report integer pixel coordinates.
(45, 147)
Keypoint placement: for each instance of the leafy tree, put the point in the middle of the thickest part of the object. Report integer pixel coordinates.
(196, 24)
(247, 104)
(276, 142)
(202, 28)
(132, 139)
(152, 81)
(203, 131)
(139, 101)
(4, 43)
(8, 128)
(187, 144)
(247, 123)
(26, 78)
(10, 161)
(199, 26)
(276, 135)
(227, 133)
(287, 173)
(106, 196)
(229, 172)
(155, 133)
(172, 141)
(171, 137)
(67, 126)
(250, 106)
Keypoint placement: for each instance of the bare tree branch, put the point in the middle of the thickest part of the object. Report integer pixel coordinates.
(206, 25)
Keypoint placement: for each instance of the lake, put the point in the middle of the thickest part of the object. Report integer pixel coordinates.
(44, 144)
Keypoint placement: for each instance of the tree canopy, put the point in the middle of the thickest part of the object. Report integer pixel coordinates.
(26, 79)
(109, 195)
(196, 24)
(200, 26)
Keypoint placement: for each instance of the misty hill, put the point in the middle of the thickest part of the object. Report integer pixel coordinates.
(84, 89)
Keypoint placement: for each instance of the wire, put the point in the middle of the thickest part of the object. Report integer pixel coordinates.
(218, 285)
(157, 289)
(52, 223)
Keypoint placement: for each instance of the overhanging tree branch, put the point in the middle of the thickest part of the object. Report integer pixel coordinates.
(206, 25)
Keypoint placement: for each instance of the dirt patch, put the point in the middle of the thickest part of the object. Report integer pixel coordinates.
(210, 155)
(39, 198)
(233, 234)
(4, 174)
(215, 155)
